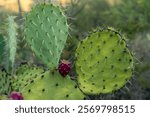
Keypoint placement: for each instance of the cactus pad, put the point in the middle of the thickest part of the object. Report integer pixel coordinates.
(25, 74)
(5, 82)
(46, 32)
(104, 62)
(52, 86)
(11, 43)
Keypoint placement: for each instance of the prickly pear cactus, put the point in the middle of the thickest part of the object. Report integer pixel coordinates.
(46, 32)
(52, 86)
(11, 43)
(5, 82)
(104, 62)
(25, 74)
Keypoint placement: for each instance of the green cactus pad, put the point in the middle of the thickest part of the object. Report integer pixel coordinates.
(25, 74)
(5, 82)
(11, 44)
(46, 31)
(104, 62)
(52, 86)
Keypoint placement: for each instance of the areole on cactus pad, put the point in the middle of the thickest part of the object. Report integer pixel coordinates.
(104, 62)
(46, 31)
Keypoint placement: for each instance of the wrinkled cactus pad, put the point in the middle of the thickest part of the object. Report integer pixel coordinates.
(5, 82)
(104, 62)
(25, 74)
(52, 86)
(46, 31)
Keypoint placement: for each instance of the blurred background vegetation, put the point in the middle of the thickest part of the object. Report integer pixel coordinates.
(130, 17)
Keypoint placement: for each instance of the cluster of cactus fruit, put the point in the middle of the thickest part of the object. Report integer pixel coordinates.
(103, 61)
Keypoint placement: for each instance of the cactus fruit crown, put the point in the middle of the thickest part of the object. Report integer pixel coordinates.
(104, 62)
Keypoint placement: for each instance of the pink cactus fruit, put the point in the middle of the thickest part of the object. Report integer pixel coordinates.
(16, 96)
(64, 67)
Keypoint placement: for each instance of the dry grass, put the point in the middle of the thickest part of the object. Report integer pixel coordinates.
(12, 5)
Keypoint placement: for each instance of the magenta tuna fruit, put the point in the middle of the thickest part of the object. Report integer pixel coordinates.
(16, 96)
(64, 68)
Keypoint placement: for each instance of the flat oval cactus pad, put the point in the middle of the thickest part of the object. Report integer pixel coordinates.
(104, 62)
(46, 31)
(52, 86)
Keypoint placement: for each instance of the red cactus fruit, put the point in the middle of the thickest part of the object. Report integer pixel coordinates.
(16, 96)
(64, 67)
